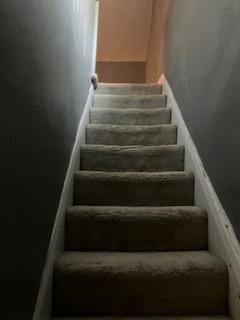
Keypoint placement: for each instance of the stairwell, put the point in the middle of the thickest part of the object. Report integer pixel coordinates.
(135, 244)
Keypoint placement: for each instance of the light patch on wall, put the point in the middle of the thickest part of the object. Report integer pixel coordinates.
(85, 29)
(80, 9)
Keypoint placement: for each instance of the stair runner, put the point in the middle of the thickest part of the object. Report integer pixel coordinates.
(135, 244)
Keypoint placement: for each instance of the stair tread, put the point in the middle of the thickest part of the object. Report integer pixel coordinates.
(132, 110)
(129, 85)
(96, 228)
(132, 158)
(154, 176)
(129, 101)
(130, 116)
(138, 212)
(140, 283)
(151, 263)
(137, 149)
(129, 127)
(164, 134)
(107, 148)
(134, 188)
(132, 96)
(121, 88)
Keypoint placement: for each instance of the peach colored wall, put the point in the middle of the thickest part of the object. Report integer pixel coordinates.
(155, 56)
(124, 27)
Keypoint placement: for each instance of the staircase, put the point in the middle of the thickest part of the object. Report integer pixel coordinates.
(135, 244)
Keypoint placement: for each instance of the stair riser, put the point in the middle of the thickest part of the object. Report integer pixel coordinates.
(129, 102)
(130, 117)
(132, 159)
(162, 135)
(123, 229)
(140, 294)
(136, 191)
(122, 89)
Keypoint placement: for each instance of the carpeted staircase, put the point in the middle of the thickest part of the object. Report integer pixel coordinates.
(136, 246)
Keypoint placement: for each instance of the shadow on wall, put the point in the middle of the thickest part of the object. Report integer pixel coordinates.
(156, 57)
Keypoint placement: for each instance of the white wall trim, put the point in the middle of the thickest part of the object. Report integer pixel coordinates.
(222, 239)
(43, 307)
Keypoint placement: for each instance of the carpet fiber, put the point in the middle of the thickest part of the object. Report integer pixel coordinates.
(136, 247)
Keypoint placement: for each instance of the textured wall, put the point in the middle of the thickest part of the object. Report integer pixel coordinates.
(203, 67)
(45, 70)
(124, 30)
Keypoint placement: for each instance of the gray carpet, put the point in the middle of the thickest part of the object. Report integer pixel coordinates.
(136, 247)
(132, 158)
(127, 88)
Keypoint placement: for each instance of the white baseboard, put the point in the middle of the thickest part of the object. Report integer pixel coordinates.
(222, 239)
(43, 307)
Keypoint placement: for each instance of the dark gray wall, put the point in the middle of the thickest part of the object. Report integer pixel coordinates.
(203, 67)
(45, 71)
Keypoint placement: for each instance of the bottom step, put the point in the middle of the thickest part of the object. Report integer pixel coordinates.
(149, 318)
(139, 284)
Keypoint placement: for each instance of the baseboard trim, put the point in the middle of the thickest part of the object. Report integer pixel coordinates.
(222, 239)
(43, 305)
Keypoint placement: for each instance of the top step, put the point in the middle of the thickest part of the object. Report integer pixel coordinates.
(128, 88)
